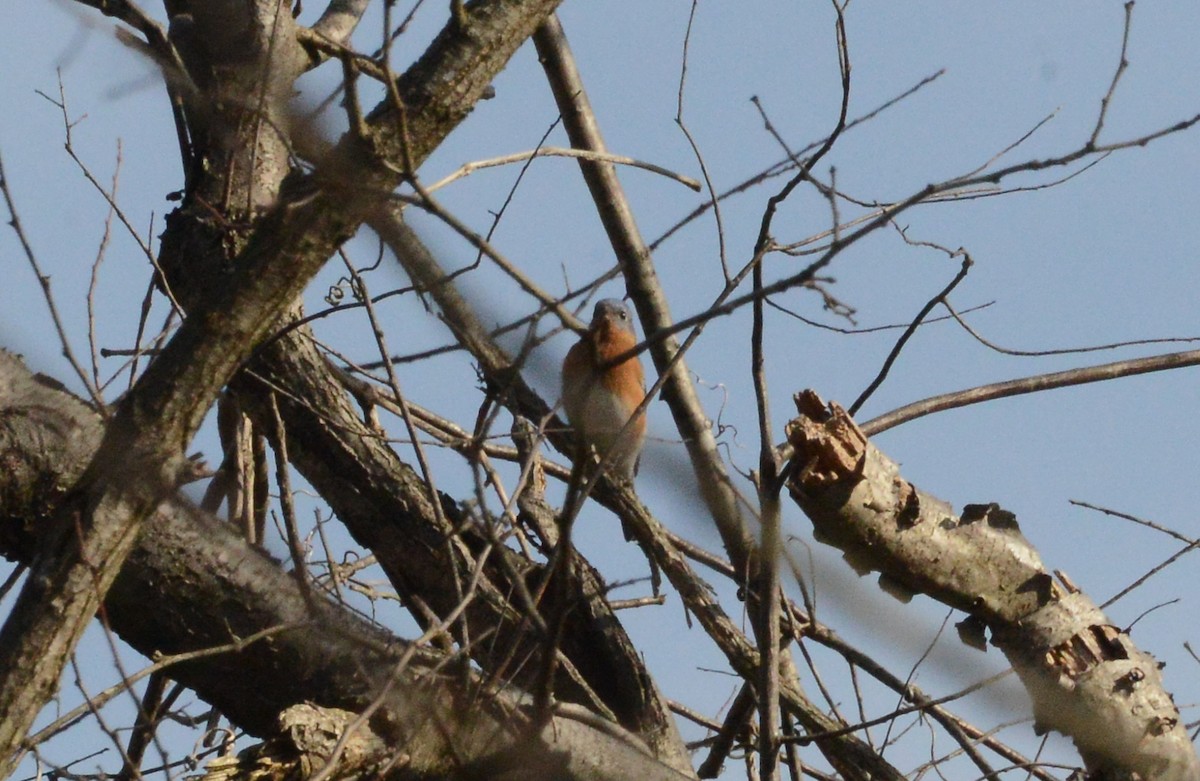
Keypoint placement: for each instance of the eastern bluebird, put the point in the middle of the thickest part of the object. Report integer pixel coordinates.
(600, 398)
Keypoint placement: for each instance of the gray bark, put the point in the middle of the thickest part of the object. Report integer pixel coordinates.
(1085, 676)
(193, 583)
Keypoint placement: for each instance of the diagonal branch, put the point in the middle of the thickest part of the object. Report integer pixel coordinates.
(1034, 384)
(238, 629)
(424, 541)
(339, 19)
(142, 450)
(1085, 676)
(642, 283)
(594, 641)
(845, 751)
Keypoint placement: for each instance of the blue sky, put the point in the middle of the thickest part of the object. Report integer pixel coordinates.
(1107, 256)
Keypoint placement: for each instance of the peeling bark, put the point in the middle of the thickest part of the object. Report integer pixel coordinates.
(1085, 676)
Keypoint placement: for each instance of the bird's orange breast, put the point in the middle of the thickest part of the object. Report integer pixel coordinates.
(625, 378)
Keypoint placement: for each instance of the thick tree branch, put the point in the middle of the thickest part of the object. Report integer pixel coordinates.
(845, 751)
(423, 542)
(593, 641)
(339, 19)
(642, 283)
(1085, 676)
(192, 583)
(693, 425)
(157, 419)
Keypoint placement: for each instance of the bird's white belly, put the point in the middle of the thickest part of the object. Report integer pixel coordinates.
(604, 415)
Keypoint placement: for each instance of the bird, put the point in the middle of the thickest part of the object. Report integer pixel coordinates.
(600, 397)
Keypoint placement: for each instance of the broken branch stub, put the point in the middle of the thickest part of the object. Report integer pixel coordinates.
(1085, 676)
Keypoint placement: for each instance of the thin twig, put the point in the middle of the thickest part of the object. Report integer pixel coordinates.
(1190, 545)
(1140, 521)
(925, 705)
(101, 252)
(713, 200)
(908, 332)
(1122, 64)
(1035, 384)
(553, 151)
(14, 222)
(149, 715)
(783, 166)
(283, 482)
(159, 663)
(626, 604)
(426, 202)
(732, 729)
(725, 305)
(1060, 350)
(691, 715)
(394, 383)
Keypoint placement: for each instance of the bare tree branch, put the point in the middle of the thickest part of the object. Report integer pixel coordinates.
(619, 675)
(340, 18)
(550, 151)
(1085, 676)
(158, 417)
(1034, 384)
(642, 284)
(214, 598)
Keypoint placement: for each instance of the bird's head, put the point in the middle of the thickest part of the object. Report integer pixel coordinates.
(611, 313)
